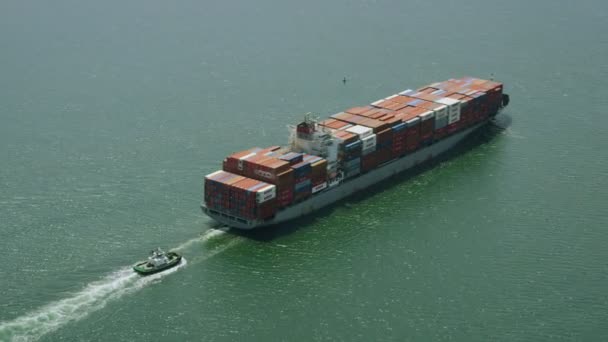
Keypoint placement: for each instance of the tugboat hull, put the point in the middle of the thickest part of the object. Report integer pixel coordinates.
(144, 268)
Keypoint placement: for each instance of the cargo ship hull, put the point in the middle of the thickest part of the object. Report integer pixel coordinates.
(348, 186)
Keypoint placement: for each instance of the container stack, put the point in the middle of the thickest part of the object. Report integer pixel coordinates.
(384, 145)
(349, 152)
(285, 183)
(318, 176)
(217, 189)
(367, 137)
(334, 124)
(257, 164)
(398, 147)
(466, 108)
(412, 131)
(303, 185)
(253, 199)
(292, 157)
(447, 111)
(485, 96)
(257, 182)
(240, 196)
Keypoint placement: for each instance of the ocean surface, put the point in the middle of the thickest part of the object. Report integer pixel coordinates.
(112, 112)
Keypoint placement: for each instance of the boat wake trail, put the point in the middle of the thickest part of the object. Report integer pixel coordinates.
(206, 236)
(92, 298)
(95, 296)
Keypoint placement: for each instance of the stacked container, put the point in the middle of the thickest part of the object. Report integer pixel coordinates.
(398, 146)
(334, 124)
(452, 105)
(318, 175)
(303, 184)
(466, 108)
(384, 145)
(292, 157)
(367, 138)
(352, 167)
(453, 113)
(349, 148)
(256, 165)
(486, 96)
(253, 199)
(374, 124)
(285, 186)
(240, 196)
(217, 189)
(369, 161)
(412, 131)
(256, 182)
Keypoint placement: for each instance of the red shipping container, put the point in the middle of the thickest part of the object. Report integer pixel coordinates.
(454, 127)
(384, 137)
(412, 140)
(369, 161)
(267, 209)
(440, 133)
(384, 154)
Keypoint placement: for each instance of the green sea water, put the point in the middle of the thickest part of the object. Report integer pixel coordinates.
(111, 113)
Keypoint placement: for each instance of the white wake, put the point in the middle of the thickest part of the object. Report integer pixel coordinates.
(94, 296)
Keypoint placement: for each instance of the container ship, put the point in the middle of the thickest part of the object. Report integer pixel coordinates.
(327, 160)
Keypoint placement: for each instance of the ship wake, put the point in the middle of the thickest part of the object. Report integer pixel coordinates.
(93, 297)
(96, 295)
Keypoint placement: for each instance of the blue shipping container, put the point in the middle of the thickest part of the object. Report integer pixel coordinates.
(399, 127)
(353, 146)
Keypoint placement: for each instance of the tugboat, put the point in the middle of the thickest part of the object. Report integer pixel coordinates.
(157, 261)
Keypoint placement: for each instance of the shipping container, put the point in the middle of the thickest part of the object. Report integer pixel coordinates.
(292, 157)
(384, 138)
(398, 146)
(302, 169)
(412, 131)
(369, 162)
(368, 142)
(361, 131)
(374, 124)
(334, 124)
(257, 183)
(319, 187)
(345, 137)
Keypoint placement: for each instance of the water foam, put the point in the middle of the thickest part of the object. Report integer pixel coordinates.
(92, 298)
(95, 296)
(206, 236)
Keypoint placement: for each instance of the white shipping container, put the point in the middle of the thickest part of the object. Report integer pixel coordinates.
(376, 103)
(454, 115)
(332, 150)
(441, 123)
(453, 118)
(427, 116)
(407, 92)
(319, 187)
(367, 151)
(214, 173)
(453, 104)
(391, 97)
(413, 121)
(361, 131)
(441, 112)
(266, 193)
(245, 157)
(369, 142)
